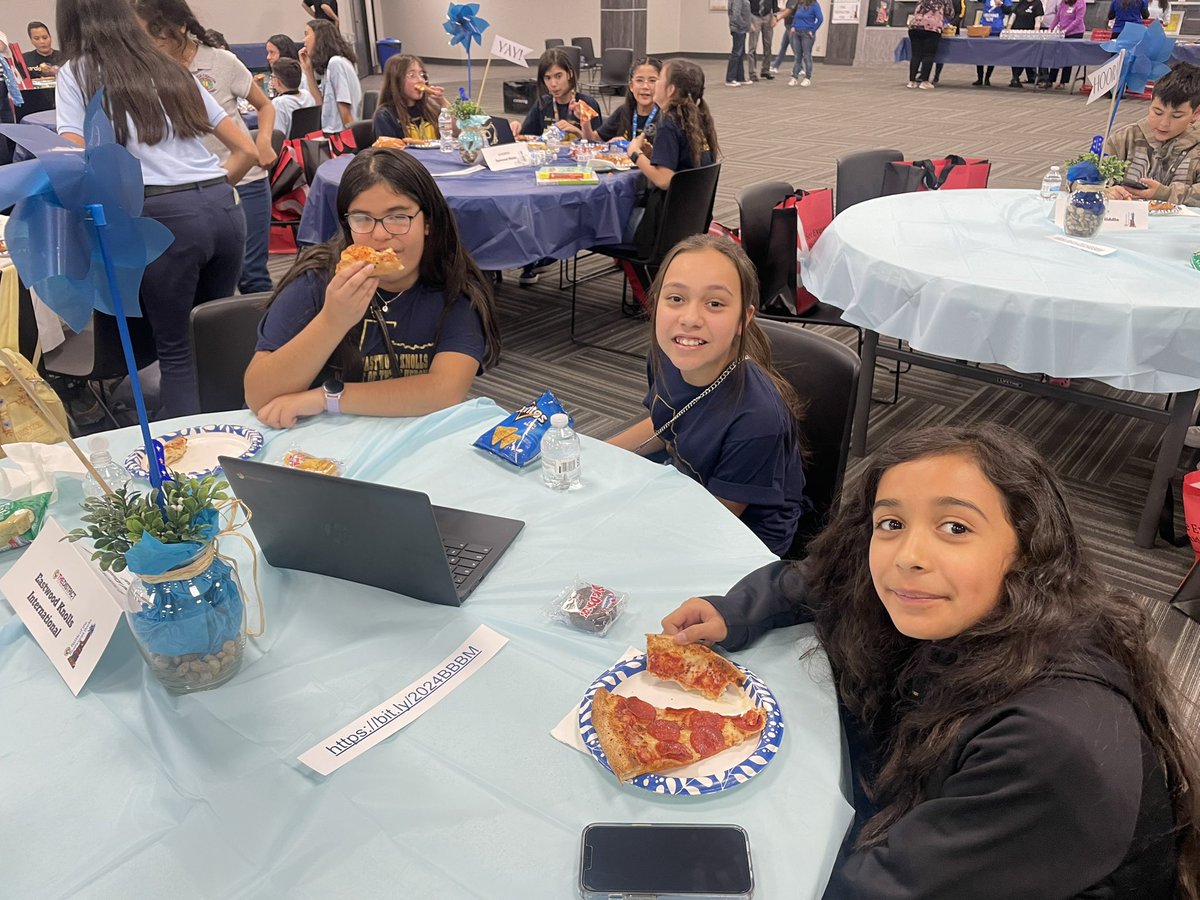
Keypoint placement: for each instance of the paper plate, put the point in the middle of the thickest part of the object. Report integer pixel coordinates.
(425, 145)
(727, 769)
(204, 444)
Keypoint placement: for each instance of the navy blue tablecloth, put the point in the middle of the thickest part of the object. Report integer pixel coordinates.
(1047, 53)
(505, 219)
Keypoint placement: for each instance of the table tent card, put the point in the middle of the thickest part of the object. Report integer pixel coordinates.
(1119, 215)
(69, 606)
(506, 156)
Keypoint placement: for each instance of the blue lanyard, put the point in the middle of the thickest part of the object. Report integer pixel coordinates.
(649, 119)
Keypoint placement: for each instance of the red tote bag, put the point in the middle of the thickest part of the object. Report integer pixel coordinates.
(950, 173)
(809, 214)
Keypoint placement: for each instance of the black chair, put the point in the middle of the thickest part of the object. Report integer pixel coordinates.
(687, 210)
(615, 63)
(305, 120)
(863, 175)
(364, 133)
(312, 154)
(575, 57)
(587, 55)
(370, 103)
(223, 334)
(770, 242)
(554, 42)
(94, 355)
(824, 374)
(1187, 596)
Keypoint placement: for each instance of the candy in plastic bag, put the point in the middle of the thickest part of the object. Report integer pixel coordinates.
(518, 439)
(589, 607)
(21, 520)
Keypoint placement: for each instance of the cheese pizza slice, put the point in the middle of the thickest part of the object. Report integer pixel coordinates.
(638, 738)
(694, 667)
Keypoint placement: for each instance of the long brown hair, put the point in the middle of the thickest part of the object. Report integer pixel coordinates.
(141, 83)
(328, 43)
(445, 262)
(1052, 607)
(165, 18)
(752, 343)
(687, 107)
(391, 95)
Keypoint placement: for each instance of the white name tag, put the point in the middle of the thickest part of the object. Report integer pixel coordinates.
(1086, 246)
(1119, 215)
(69, 606)
(412, 702)
(506, 156)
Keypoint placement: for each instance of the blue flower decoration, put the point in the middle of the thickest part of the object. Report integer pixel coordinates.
(1147, 50)
(1084, 173)
(464, 25)
(50, 194)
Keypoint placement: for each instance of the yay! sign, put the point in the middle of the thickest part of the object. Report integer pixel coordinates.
(503, 48)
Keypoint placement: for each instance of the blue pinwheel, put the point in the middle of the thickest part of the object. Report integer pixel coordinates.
(77, 235)
(464, 25)
(1147, 49)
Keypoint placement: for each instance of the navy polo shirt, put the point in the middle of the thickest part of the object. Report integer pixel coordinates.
(672, 150)
(412, 320)
(546, 112)
(738, 444)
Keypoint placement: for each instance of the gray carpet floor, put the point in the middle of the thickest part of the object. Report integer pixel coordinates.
(771, 131)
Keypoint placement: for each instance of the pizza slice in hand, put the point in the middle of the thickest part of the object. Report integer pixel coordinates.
(638, 738)
(694, 667)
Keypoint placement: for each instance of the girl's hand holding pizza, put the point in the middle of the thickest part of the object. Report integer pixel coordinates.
(696, 620)
(348, 296)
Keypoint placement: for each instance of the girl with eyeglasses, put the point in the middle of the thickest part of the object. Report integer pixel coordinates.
(355, 342)
(638, 112)
(409, 105)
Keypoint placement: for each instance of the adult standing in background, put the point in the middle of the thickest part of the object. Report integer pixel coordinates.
(177, 33)
(326, 10)
(785, 16)
(1122, 12)
(1067, 18)
(924, 36)
(805, 21)
(960, 13)
(739, 27)
(160, 112)
(762, 23)
(1026, 16)
(43, 59)
(328, 63)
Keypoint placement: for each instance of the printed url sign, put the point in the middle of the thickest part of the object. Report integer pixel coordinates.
(409, 704)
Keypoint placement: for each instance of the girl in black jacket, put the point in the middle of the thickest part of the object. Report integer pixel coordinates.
(1009, 727)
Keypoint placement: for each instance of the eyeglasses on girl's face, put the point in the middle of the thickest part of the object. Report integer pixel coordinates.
(414, 75)
(397, 224)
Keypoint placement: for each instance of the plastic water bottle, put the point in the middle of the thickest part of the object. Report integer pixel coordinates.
(560, 455)
(116, 476)
(1051, 184)
(446, 129)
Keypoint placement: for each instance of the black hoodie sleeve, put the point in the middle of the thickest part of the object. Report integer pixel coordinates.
(771, 597)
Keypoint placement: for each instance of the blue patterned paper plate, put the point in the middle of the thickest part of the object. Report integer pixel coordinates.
(204, 444)
(739, 773)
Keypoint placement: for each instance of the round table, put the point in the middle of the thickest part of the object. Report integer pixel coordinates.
(972, 275)
(505, 219)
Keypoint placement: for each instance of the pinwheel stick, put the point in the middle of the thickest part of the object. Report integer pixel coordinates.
(96, 213)
(53, 421)
(483, 83)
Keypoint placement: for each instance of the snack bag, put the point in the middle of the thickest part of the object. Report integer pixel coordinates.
(518, 439)
(589, 607)
(298, 459)
(21, 520)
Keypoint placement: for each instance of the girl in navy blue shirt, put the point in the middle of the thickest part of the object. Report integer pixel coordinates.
(717, 407)
(561, 105)
(354, 342)
(638, 112)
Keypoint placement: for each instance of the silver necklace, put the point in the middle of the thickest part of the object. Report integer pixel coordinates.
(384, 304)
(704, 393)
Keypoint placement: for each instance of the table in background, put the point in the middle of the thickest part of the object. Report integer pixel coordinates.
(1042, 53)
(127, 791)
(971, 275)
(504, 218)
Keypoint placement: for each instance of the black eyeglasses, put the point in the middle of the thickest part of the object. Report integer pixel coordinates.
(397, 224)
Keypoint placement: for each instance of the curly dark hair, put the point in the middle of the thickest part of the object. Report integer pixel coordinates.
(687, 107)
(1052, 605)
(328, 43)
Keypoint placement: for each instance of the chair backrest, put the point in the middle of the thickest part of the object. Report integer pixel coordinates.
(370, 103)
(224, 333)
(95, 354)
(364, 133)
(688, 207)
(305, 120)
(824, 373)
(499, 131)
(554, 42)
(615, 63)
(312, 154)
(776, 265)
(586, 49)
(861, 176)
(574, 55)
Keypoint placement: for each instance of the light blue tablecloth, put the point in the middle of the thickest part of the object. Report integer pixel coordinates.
(504, 218)
(128, 792)
(972, 275)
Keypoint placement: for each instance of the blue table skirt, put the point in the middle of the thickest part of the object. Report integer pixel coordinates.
(1047, 53)
(505, 219)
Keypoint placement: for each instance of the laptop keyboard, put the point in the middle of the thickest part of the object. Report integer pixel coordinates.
(463, 558)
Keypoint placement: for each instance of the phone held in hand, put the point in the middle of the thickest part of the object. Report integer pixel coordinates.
(1133, 185)
(644, 861)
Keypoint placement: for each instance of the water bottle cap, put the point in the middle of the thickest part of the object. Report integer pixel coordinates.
(1055, 169)
(560, 420)
(98, 444)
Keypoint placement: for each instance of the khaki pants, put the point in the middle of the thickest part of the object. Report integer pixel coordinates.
(760, 26)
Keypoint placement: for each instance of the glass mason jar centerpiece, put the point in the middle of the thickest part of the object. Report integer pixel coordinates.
(470, 120)
(1088, 179)
(185, 607)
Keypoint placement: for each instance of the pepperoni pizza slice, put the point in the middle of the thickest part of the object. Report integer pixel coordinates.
(694, 667)
(638, 738)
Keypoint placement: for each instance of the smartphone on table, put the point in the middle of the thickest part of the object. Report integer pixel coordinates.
(643, 861)
(1133, 185)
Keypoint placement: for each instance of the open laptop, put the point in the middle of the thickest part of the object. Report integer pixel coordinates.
(387, 537)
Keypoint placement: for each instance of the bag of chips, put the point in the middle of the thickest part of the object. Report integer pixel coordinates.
(518, 439)
(589, 607)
